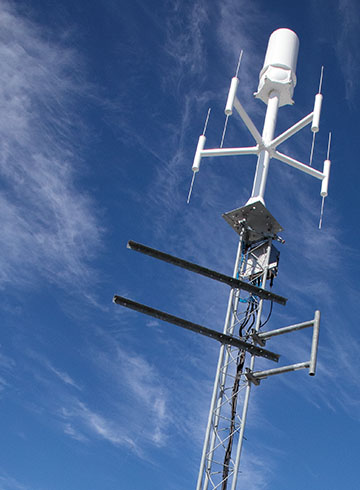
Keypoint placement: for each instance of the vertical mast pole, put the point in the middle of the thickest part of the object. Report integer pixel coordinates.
(263, 162)
(258, 192)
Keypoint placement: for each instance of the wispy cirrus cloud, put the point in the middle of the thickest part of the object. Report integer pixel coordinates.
(65, 377)
(147, 401)
(186, 80)
(7, 367)
(8, 482)
(339, 30)
(134, 413)
(43, 362)
(240, 23)
(80, 419)
(49, 228)
(185, 39)
(346, 46)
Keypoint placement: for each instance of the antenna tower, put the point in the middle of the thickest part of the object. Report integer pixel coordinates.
(256, 265)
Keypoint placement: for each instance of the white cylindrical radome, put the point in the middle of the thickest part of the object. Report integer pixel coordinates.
(325, 181)
(279, 69)
(231, 96)
(282, 51)
(197, 157)
(317, 110)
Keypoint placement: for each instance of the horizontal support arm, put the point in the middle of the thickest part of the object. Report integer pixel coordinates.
(296, 164)
(195, 327)
(271, 372)
(248, 122)
(203, 271)
(255, 377)
(280, 331)
(224, 152)
(289, 132)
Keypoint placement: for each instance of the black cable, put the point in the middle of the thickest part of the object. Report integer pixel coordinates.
(245, 321)
(235, 393)
(269, 315)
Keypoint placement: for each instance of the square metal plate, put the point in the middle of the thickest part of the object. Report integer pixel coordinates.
(259, 223)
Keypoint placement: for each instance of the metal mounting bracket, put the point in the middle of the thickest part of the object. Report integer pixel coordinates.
(256, 376)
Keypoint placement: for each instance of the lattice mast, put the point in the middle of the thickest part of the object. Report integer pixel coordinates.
(256, 262)
(256, 265)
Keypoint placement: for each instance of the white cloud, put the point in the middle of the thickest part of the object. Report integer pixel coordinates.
(346, 46)
(79, 419)
(74, 433)
(42, 375)
(7, 482)
(145, 390)
(134, 413)
(49, 227)
(239, 24)
(337, 26)
(7, 367)
(63, 376)
(185, 39)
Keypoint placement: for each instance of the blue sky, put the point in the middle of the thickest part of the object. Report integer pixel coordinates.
(101, 107)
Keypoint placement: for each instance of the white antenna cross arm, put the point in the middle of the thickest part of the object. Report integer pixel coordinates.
(323, 176)
(291, 131)
(248, 122)
(300, 166)
(224, 152)
(220, 152)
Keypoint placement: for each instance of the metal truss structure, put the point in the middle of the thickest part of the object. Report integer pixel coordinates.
(225, 430)
(235, 375)
(256, 266)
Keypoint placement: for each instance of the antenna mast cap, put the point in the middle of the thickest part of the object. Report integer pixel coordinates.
(278, 72)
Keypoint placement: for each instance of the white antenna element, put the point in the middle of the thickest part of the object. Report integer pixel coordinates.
(239, 62)
(325, 182)
(316, 117)
(326, 171)
(312, 149)
(197, 158)
(199, 149)
(231, 97)
(321, 212)
(328, 148)
(317, 106)
(206, 120)
(191, 188)
(317, 111)
(224, 131)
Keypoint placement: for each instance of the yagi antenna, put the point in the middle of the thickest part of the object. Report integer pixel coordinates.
(201, 142)
(316, 119)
